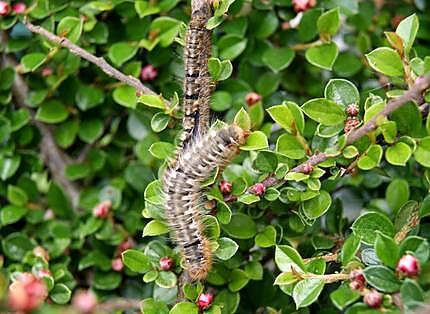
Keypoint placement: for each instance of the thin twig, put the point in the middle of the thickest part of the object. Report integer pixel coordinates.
(98, 61)
(331, 257)
(413, 94)
(54, 158)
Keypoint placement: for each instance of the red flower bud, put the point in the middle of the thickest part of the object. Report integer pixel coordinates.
(166, 263)
(252, 98)
(357, 274)
(352, 110)
(205, 300)
(373, 299)
(258, 189)
(148, 73)
(101, 210)
(84, 301)
(27, 293)
(124, 246)
(4, 8)
(307, 168)
(117, 264)
(356, 285)
(408, 266)
(225, 187)
(19, 7)
(303, 5)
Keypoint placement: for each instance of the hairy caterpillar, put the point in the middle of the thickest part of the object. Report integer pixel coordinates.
(198, 85)
(183, 194)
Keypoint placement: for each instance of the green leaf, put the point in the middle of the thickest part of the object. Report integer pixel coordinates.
(166, 279)
(322, 56)
(238, 280)
(350, 248)
(242, 119)
(241, 226)
(266, 238)
(231, 46)
(159, 122)
(369, 223)
(16, 195)
(154, 228)
(220, 70)
(278, 59)
(161, 150)
(317, 206)
(289, 146)
(371, 158)
(248, 199)
(107, 281)
(398, 154)
(422, 152)
(307, 291)
(324, 111)
(385, 60)
(88, 97)
(136, 261)
(32, 61)
(382, 278)
(329, 22)
(407, 30)
(90, 130)
(184, 308)
(397, 194)
(226, 249)
(344, 296)
(266, 161)
(166, 28)
(411, 293)
(8, 76)
(286, 257)
(52, 111)
(8, 166)
(387, 250)
(125, 96)
(342, 92)
(77, 171)
(154, 192)
(11, 214)
(60, 294)
(121, 52)
(70, 27)
(255, 141)
(285, 278)
(221, 101)
(288, 116)
(151, 306)
(425, 207)
(154, 101)
(145, 8)
(16, 245)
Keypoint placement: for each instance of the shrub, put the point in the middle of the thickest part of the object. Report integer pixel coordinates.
(324, 210)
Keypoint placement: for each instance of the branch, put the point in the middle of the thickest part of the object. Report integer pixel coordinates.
(54, 158)
(98, 61)
(413, 94)
(118, 304)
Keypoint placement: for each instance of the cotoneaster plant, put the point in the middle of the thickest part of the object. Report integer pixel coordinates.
(324, 208)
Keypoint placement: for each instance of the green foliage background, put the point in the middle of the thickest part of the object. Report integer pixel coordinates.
(305, 90)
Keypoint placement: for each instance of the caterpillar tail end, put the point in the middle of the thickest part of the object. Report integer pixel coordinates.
(201, 271)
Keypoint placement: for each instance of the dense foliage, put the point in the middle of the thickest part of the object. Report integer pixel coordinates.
(348, 234)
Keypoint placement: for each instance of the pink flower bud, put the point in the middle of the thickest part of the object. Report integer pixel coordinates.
(356, 285)
(84, 301)
(258, 189)
(148, 73)
(19, 7)
(307, 168)
(352, 110)
(373, 299)
(408, 266)
(125, 245)
(46, 72)
(117, 264)
(101, 210)
(4, 8)
(49, 214)
(303, 5)
(252, 98)
(27, 293)
(225, 187)
(357, 274)
(41, 252)
(166, 263)
(205, 300)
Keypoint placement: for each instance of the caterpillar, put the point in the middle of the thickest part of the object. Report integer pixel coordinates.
(198, 85)
(182, 186)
